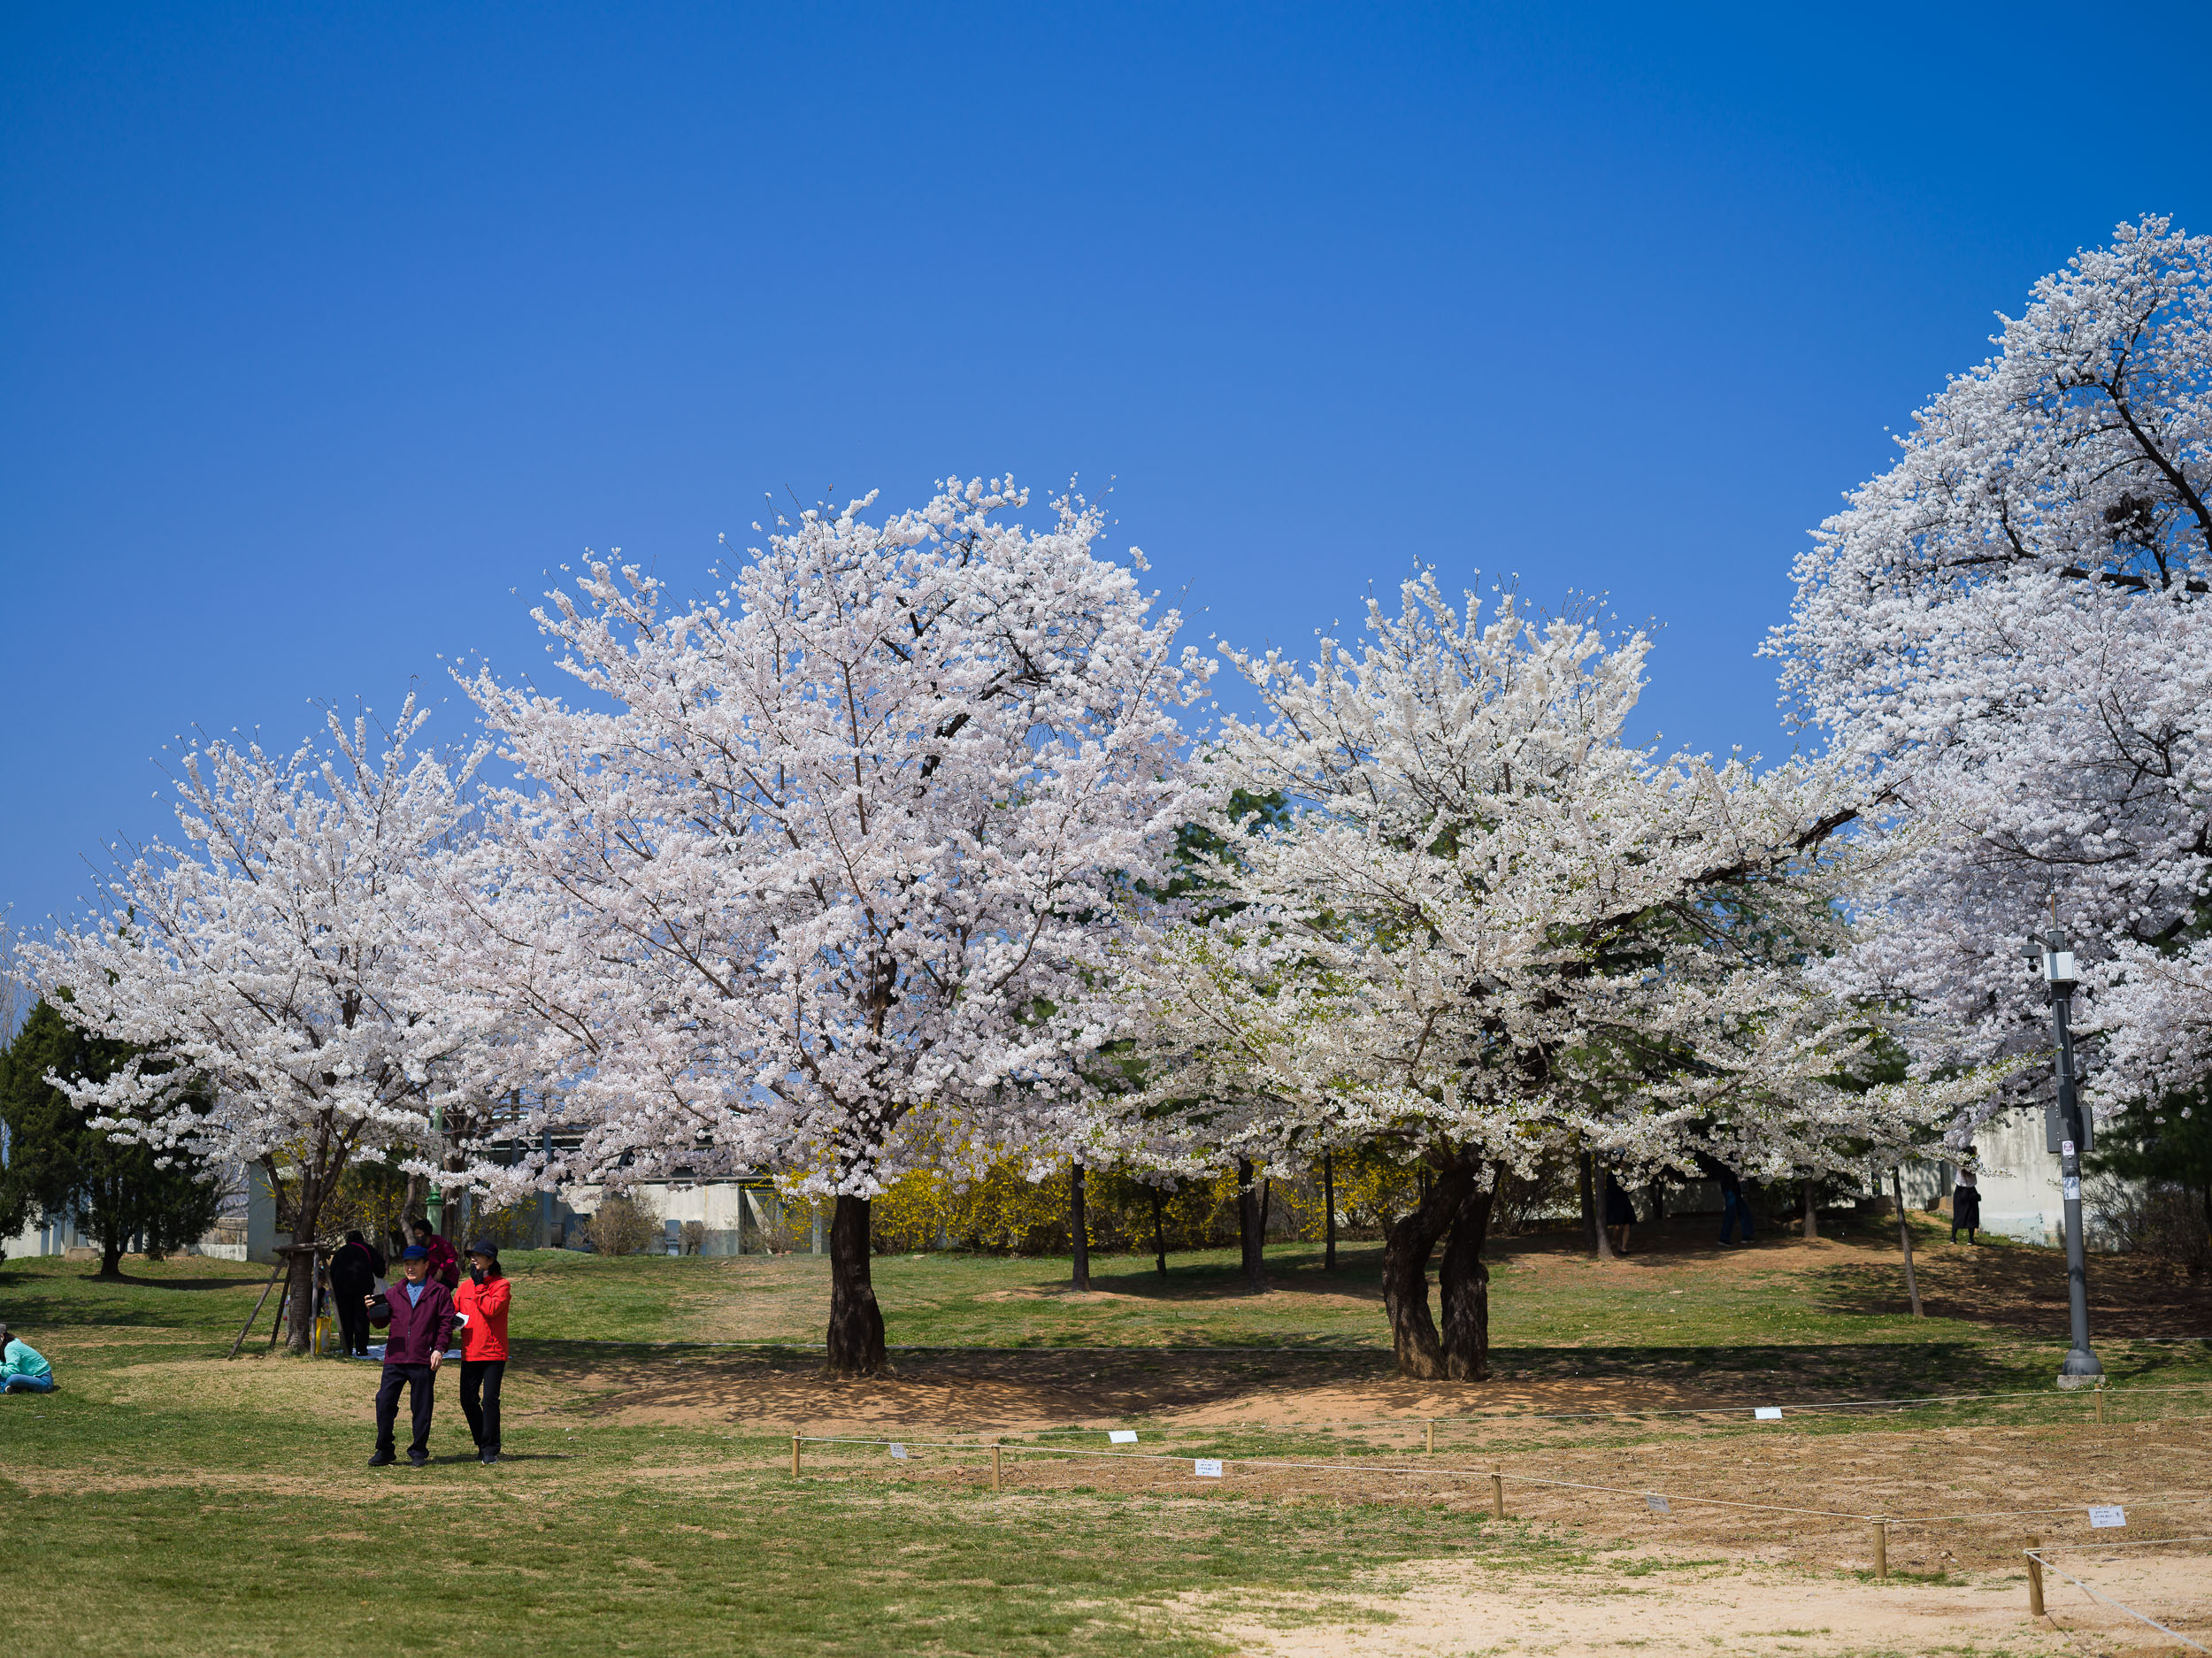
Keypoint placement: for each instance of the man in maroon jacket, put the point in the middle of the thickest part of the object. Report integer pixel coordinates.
(419, 1314)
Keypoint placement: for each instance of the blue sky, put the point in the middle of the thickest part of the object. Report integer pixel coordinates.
(327, 333)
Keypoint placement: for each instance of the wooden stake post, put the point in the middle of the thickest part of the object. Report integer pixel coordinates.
(795, 1456)
(997, 1468)
(1881, 1550)
(2035, 1579)
(1497, 1494)
(1429, 1441)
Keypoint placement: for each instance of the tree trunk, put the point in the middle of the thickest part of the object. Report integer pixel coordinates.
(1248, 1230)
(1584, 1163)
(1328, 1204)
(1462, 1284)
(1406, 1274)
(1159, 1232)
(856, 1322)
(111, 1257)
(1657, 1193)
(1812, 1212)
(412, 1208)
(1603, 1181)
(1904, 1237)
(1078, 1229)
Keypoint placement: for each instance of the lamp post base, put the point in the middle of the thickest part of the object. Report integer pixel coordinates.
(2080, 1370)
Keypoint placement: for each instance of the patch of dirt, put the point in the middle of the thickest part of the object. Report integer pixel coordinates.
(1675, 1608)
(2025, 1290)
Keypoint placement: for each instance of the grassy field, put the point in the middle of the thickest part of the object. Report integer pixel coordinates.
(175, 1501)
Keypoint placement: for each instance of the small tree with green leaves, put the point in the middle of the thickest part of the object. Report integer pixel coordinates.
(61, 1163)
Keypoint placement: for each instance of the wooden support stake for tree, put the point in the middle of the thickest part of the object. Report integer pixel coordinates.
(998, 1471)
(1881, 1550)
(1497, 1494)
(2099, 1390)
(248, 1328)
(795, 1456)
(2035, 1579)
(1429, 1442)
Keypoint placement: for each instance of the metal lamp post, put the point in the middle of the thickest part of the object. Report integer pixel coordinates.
(2057, 962)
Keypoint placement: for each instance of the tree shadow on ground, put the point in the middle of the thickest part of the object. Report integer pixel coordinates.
(2022, 1290)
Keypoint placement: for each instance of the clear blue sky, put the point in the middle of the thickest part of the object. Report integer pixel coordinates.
(323, 335)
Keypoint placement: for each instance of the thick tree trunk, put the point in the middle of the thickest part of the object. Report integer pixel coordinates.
(1603, 1182)
(1159, 1232)
(1812, 1212)
(1463, 1284)
(111, 1257)
(1657, 1193)
(1328, 1204)
(856, 1322)
(1584, 1163)
(1904, 1239)
(1249, 1231)
(1078, 1229)
(1406, 1274)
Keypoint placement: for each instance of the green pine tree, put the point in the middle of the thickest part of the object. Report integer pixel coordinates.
(57, 1162)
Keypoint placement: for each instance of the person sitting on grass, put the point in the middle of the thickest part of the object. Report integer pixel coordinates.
(22, 1369)
(419, 1316)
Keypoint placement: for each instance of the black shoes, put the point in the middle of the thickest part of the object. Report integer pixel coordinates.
(419, 1462)
(382, 1459)
(487, 1457)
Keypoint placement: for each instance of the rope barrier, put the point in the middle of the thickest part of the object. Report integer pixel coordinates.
(2036, 1555)
(1439, 1472)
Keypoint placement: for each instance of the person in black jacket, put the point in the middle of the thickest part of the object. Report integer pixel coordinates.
(1966, 1207)
(354, 1270)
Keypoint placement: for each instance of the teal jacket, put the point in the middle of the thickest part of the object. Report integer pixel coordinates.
(21, 1360)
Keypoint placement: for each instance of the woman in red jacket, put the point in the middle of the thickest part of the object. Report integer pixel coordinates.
(483, 1296)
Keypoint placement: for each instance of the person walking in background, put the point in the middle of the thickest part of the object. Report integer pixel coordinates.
(419, 1313)
(1732, 1207)
(1966, 1206)
(1620, 1214)
(22, 1369)
(482, 1299)
(445, 1266)
(355, 1269)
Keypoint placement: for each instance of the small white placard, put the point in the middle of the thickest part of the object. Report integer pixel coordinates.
(2066, 1147)
(1208, 1467)
(1121, 1436)
(899, 1451)
(2071, 1189)
(1767, 1413)
(1657, 1503)
(2107, 1514)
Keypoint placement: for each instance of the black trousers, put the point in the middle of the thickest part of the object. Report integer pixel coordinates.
(483, 1376)
(353, 1320)
(419, 1379)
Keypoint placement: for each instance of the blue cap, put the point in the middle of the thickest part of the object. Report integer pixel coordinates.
(414, 1252)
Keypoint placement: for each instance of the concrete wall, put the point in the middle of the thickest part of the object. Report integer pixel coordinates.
(248, 1233)
(735, 1217)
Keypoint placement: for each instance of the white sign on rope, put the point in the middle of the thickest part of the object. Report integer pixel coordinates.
(1207, 1467)
(1767, 1413)
(2107, 1514)
(1121, 1436)
(899, 1452)
(1657, 1503)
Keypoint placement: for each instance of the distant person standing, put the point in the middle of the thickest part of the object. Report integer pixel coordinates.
(1966, 1207)
(1732, 1207)
(419, 1313)
(23, 1370)
(355, 1269)
(445, 1266)
(1620, 1214)
(482, 1298)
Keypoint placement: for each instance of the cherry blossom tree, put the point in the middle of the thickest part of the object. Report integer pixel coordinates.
(1490, 929)
(821, 876)
(2011, 626)
(289, 962)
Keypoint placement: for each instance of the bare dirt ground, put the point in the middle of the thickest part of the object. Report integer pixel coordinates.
(1666, 1603)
